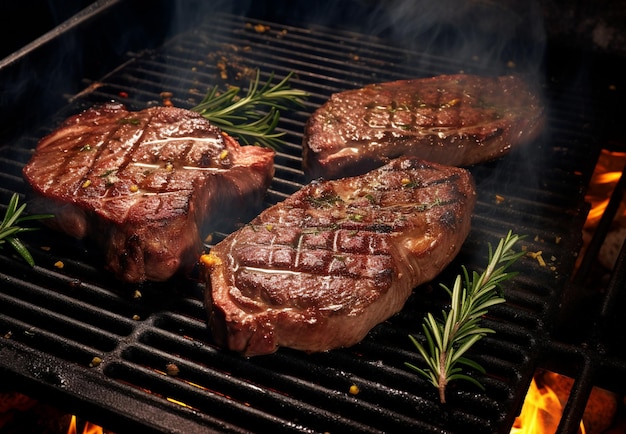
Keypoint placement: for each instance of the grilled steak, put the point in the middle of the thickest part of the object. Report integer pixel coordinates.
(456, 120)
(145, 185)
(320, 269)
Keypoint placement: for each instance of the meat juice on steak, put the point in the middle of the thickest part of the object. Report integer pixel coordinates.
(456, 120)
(322, 268)
(144, 185)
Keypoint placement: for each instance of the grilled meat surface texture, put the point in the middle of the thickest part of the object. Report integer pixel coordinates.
(145, 185)
(319, 270)
(456, 120)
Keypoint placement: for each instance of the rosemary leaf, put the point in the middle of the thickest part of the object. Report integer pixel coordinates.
(21, 249)
(252, 117)
(448, 339)
(9, 227)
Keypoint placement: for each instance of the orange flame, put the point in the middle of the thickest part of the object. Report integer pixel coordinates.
(604, 179)
(607, 178)
(597, 209)
(89, 428)
(541, 412)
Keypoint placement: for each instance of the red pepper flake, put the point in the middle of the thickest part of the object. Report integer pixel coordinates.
(167, 98)
(172, 370)
(123, 94)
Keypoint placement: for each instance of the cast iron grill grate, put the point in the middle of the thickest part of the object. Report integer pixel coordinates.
(54, 321)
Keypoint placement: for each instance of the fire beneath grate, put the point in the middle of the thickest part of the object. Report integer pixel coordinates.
(599, 280)
(158, 368)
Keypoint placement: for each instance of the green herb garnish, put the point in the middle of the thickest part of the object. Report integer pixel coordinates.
(253, 117)
(325, 200)
(9, 227)
(107, 173)
(449, 339)
(129, 121)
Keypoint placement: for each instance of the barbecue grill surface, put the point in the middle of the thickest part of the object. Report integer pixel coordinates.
(54, 321)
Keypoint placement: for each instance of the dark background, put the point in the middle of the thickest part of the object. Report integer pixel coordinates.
(596, 25)
(22, 21)
(587, 38)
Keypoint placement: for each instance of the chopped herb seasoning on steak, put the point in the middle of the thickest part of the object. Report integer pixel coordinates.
(145, 185)
(456, 120)
(322, 268)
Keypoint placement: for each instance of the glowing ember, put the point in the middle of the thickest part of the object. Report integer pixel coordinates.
(89, 428)
(541, 412)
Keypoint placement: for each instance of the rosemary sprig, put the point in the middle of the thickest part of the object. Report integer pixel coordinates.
(449, 339)
(254, 116)
(9, 228)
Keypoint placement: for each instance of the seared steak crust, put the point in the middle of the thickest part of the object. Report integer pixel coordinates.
(145, 184)
(456, 120)
(320, 269)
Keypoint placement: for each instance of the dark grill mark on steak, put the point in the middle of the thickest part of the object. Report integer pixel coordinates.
(323, 267)
(456, 120)
(448, 219)
(146, 185)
